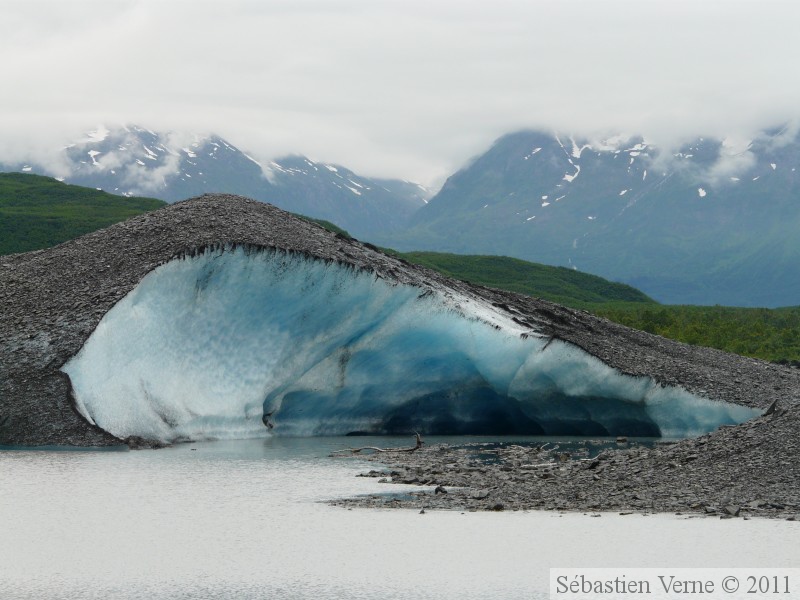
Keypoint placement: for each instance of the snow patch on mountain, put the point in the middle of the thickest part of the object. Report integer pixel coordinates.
(578, 150)
(570, 178)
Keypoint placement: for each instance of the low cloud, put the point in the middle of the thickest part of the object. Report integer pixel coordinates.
(142, 182)
(400, 89)
(735, 160)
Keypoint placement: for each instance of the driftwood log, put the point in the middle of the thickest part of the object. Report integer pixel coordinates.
(418, 444)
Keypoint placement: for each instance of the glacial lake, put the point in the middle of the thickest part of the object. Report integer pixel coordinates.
(247, 520)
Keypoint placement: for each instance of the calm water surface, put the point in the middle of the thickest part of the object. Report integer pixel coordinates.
(247, 519)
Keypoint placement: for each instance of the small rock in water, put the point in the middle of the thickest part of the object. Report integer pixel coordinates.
(440, 490)
(422, 512)
(732, 510)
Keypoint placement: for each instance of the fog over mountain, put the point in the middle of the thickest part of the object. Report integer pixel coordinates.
(406, 90)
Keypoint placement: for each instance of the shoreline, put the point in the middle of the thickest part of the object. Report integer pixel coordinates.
(689, 477)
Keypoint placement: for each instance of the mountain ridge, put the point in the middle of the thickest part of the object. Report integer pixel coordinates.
(710, 223)
(132, 160)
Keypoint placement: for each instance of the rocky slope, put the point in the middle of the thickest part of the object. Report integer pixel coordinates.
(749, 470)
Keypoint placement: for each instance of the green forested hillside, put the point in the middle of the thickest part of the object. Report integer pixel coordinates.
(38, 212)
(558, 284)
(767, 333)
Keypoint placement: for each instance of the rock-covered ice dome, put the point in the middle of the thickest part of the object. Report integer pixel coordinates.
(207, 345)
(208, 317)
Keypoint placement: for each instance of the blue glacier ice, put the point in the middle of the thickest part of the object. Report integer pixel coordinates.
(206, 345)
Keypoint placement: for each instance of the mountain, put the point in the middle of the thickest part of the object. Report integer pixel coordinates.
(38, 212)
(132, 160)
(712, 222)
(364, 207)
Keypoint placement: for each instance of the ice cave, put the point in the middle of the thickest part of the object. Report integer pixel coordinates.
(207, 345)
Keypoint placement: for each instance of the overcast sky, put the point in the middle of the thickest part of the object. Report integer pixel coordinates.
(403, 88)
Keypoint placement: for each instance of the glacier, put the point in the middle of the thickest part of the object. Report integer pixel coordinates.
(215, 344)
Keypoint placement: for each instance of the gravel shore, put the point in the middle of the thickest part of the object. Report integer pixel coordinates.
(741, 471)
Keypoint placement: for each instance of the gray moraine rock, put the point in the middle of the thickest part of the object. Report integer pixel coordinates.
(54, 299)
